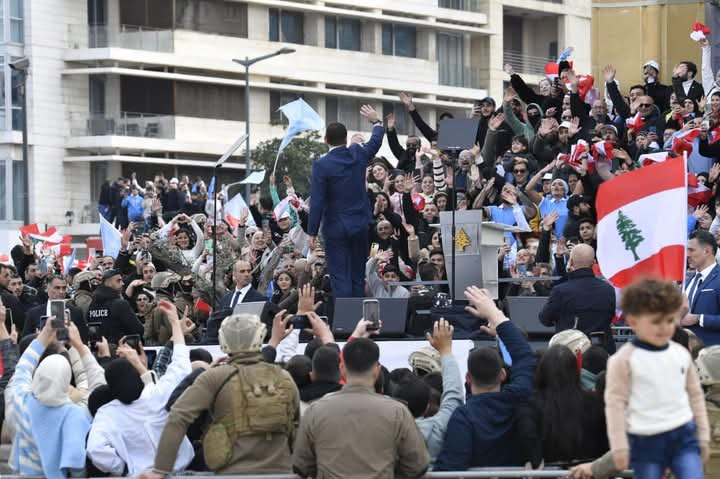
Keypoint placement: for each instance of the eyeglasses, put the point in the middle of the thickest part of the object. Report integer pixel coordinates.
(519, 171)
(142, 299)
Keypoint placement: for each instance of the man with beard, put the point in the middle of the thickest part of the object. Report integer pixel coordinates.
(648, 114)
(659, 92)
(684, 84)
(110, 309)
(9, 300)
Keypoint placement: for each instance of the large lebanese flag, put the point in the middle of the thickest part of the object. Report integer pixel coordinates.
(642, 223)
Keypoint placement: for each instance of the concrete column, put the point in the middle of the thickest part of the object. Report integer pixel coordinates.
(258, 22)
(314, 27)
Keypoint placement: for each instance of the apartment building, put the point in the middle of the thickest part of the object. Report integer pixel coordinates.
(121, 86)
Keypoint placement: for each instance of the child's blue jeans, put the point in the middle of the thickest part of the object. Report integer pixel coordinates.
(678, 449)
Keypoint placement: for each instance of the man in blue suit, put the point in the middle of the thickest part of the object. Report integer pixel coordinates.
(703, 288)
(339, 199)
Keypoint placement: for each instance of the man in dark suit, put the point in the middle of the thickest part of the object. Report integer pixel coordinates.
(57, 290)
(703, 289)
(583, 302)
(684, 84)
(340, 201)
(243, 292)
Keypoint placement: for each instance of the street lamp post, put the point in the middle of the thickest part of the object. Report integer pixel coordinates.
(21, 66)
(247, 62)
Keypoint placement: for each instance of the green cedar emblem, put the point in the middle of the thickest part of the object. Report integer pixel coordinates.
(629, 233)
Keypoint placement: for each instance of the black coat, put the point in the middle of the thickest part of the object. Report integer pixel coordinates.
(584, 299)
(11, 302)
(115, 314)
(32, 322)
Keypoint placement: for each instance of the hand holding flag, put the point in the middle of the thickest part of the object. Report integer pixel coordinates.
(302, 118)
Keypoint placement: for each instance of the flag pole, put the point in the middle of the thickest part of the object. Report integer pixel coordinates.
(685, 163)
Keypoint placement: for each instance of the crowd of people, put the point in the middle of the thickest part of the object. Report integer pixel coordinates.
(84, 394)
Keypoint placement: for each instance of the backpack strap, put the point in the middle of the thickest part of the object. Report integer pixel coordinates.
(227, 380)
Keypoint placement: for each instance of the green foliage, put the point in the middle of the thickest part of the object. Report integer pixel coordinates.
(629, 233)
(295, 160)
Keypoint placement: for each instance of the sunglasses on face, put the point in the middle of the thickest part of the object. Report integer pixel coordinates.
(519, 171)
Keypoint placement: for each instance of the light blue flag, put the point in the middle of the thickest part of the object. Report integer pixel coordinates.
(302, 118)
(211, 188)
(111, 238)
(68, 261)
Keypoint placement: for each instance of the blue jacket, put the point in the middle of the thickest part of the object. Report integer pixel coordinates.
(134, 205)
(338, 195)
(584, 299)
(482, 433)
(707, 303)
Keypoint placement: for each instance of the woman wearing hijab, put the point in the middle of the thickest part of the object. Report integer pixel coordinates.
(51, 430)
(126, 430)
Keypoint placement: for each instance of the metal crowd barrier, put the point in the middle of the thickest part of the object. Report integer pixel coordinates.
(478, 473)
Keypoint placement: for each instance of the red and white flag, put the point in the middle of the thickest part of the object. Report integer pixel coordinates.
(575, 157)
(652, 158)
(697, 194)
(602, 151)
(699, 32)
(632, 243)
(635, 124)
(234, 210)
(683, 142)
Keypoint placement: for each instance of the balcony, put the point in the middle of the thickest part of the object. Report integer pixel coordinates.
(123, 36)
(459, 76)
(527, 64)
(145, 125)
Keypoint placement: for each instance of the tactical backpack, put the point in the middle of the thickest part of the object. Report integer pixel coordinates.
(262, 403)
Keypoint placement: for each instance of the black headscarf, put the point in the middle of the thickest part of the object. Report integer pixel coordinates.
(123, 380)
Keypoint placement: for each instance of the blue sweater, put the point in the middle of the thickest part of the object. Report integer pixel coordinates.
(134, 205)
(50, 441)
(481, 433)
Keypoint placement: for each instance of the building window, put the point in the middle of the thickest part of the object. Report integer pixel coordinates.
(346, 111)
(97, 95)
(404, 124)
(342, 33)
(12, 190)
(212, 16)
(220, 102)
(278, 99)
(286, 26)
(16, 21)
(451, 60)
(11, 107)
(398, 40)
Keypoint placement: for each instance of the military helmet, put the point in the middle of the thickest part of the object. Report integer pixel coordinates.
(708, 365)
(573, 339)
(164, 279)
(425, 359)
(241, 333)
(83, 276)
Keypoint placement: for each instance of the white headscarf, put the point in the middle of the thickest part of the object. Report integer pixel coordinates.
(51, 381)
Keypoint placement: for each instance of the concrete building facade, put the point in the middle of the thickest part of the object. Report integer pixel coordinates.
(116, 86)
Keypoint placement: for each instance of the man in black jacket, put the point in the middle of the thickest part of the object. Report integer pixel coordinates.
(173, 201)
(10, 301)
(57, 290)
(110, 309)
(659, 92)
(583, 302)
(684, 84)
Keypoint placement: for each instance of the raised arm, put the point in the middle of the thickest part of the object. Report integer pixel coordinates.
(424, 128)
(622, 108)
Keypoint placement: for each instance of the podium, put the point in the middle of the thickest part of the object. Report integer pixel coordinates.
(476, 250)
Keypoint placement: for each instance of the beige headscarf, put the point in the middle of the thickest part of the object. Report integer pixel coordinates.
(51, 381)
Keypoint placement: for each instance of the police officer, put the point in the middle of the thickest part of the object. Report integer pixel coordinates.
(109, 308)
(234, 444)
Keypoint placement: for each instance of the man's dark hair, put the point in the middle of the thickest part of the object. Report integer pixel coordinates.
(691, 67)
(390, 268)
(426, 272)
(586, 220)
(299, 367)
(484, 366)
(637, 87)
(446, 115)
(595, 359)
(326, 365)
(705, 239)
(395, 378)
(382, 380)
(436, 251)
(56, 277)
(434, 380)
(415, 393)
(361, 356)
(266, 202)
(312, 346)
(336, 134)
(201, 354)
